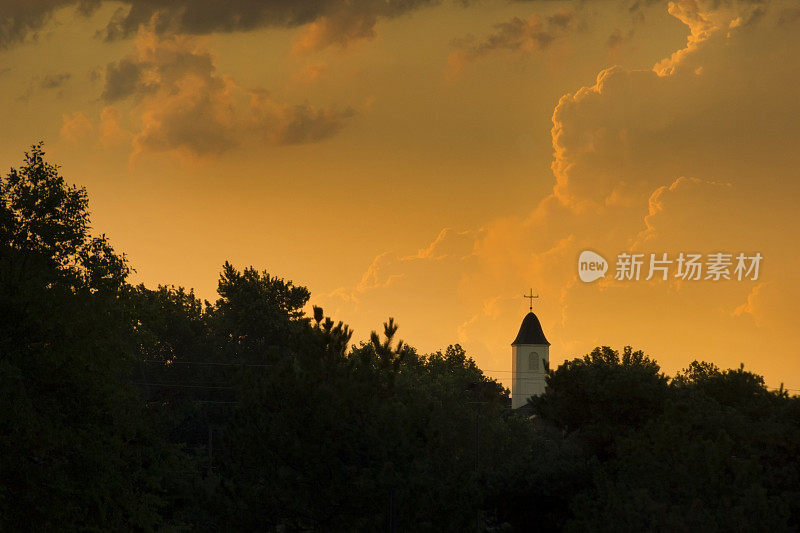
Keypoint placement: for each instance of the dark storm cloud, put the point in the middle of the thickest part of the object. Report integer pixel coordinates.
(561, 19)
(206, 16)
(47, 82)
(122, 80)
(534, 33)
(54, 81)
(126, 77)
(617, 38)
(789, 15)
(20, 19)
(24, 18)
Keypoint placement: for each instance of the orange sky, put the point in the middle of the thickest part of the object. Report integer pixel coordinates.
(433, 160)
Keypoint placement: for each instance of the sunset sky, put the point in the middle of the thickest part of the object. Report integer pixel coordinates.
(433, 160)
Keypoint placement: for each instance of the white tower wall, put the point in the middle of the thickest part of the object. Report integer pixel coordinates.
(529, 364)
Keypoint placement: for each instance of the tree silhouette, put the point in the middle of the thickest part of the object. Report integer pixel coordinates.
(128, 408)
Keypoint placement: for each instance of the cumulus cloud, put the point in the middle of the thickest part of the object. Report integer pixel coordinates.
(670, 212)
(705, 98)
(188, 107)
(112, 133)
(311, 73)
(76, 127)
(695, 155)
(749, 307)
(766, 305)
(389, 269)
(342, 29)
(409, 280)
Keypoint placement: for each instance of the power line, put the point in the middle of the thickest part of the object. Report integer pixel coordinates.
(220, 363)
(206, 363)
(145, 384)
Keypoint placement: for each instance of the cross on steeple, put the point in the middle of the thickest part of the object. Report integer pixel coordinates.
(530, 296)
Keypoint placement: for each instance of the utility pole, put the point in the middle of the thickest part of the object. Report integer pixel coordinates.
(476, 442)
(392, 526)
(210, 449)
(477, 455)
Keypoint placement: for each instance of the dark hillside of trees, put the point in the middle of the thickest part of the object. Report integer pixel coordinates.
(129, 408)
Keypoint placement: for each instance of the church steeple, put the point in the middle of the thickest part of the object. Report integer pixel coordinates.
(530, 332)
(530, 359)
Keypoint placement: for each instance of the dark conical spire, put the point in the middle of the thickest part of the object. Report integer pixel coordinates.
(530, 332)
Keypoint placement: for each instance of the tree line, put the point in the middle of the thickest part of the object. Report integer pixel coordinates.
(129, 408)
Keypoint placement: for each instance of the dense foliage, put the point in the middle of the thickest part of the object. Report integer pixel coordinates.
(128, 408)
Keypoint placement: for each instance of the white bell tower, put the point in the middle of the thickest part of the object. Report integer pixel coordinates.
(530, 359)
